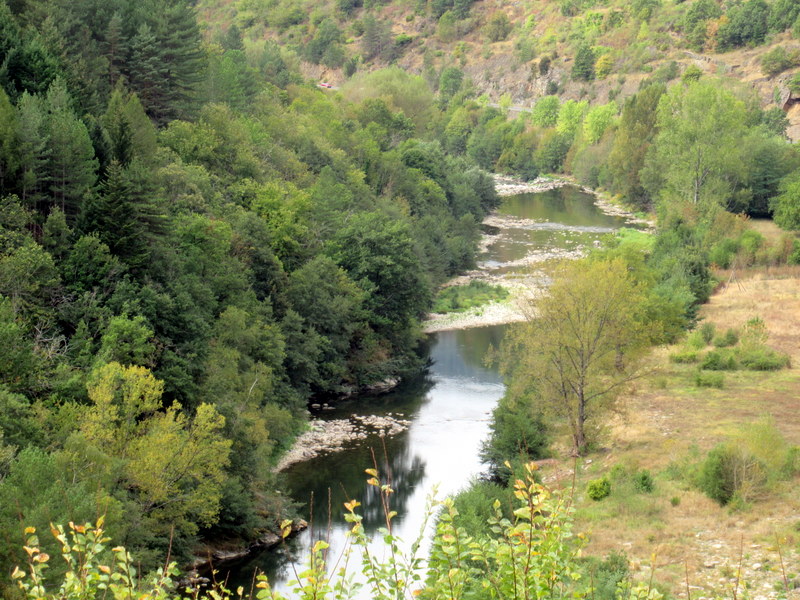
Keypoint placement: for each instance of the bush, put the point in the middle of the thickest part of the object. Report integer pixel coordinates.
(643, 481)
(722, 253)
(695, 340)
(684, 358)
(606, 575)
(707, 331)
(729, 338)
(516, 432)
(763, 359)
(599, 488)
(730, 471)
(719, 360)
(716, 475)
(459, 298)
(474, 504)
(712, 379)
(498, 27)
(776, 61)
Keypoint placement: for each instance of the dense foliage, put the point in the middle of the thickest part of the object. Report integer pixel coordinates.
(533, 553)
(193, 243)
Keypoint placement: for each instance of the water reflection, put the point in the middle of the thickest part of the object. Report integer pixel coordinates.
(449, 407)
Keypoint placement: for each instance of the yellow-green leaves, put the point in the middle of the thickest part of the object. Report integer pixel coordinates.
(175, 464)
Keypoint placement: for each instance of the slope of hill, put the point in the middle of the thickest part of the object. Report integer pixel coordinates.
(528, 49)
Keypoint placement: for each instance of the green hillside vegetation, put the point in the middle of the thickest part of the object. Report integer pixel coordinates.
(582, 40)
(193, 243)
(196, 240)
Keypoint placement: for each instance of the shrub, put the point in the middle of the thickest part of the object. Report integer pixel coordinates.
(516, 431)
(712, 379)
(675, 500)
(684, 357)
(599, 488)
(606, 575)
(722, 253)
(729, 338)
(794, 257)
(776, 61)
(498, 27)
(730, 471)
(695, 340)
(643, 481)
(463, 297)
(762, 359)
(719, 360)
(716, 475)
(707, 331)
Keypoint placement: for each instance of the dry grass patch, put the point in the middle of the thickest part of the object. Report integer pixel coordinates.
(670, 424)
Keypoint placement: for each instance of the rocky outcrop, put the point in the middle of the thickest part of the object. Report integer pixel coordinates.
(334, 435)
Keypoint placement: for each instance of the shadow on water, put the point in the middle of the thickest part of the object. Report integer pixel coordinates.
(448, 405)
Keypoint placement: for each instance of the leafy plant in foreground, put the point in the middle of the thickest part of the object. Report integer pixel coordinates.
(530, 555)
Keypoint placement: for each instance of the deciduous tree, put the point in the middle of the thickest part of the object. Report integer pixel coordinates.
(580, 346)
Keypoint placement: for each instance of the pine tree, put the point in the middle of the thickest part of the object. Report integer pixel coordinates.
(182, 54)
(9, 150)
(147, 72)
(583, 68)
(71, 169)
(33, 149)
(115, 48)
(118, 129)
(123, 215)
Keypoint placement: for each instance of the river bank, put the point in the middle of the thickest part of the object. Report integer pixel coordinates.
(531, 281)
(324, 436)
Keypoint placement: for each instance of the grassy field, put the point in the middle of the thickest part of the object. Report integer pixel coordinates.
(668, 426)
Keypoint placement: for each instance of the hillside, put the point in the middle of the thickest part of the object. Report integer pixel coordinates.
(199, 243)
(524, 50)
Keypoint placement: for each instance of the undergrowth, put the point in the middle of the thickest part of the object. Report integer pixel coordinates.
(459, 298)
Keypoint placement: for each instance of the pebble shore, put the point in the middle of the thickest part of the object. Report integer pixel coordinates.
(324, 437)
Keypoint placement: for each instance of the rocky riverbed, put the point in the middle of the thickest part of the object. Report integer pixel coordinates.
(528, 282)
(333, 435)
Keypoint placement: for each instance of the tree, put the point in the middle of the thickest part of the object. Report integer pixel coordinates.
(583, 67)
(174, 466)
(580, 346)
(635, 133)
(697, 155)
(71, 168)
(545, 111)
(786, 205)
(9, 145)
(570, 117)
(497, 27)
(598, 119)
(377, 40)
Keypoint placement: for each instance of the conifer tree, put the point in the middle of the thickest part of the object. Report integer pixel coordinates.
(71, 169)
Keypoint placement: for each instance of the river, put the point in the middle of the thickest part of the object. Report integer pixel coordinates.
(449, 405)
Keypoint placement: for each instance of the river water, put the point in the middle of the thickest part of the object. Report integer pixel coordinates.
(449, 405)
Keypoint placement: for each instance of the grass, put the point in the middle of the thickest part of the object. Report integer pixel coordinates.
(670, 424)
(459, 298)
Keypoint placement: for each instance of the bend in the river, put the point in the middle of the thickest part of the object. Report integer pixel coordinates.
(448, 406)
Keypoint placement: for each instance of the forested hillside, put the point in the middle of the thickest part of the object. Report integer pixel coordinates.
(194, 243)
(580, 49)
(196, 240)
